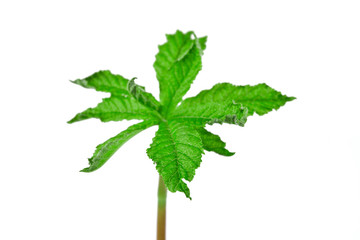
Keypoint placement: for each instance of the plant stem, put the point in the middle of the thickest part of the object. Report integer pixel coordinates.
(161, 217)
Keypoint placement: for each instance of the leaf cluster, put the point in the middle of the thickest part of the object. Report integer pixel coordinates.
(181, 138)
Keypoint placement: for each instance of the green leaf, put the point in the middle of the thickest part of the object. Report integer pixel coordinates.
(212, 142)
(176, 150)
(176, 65)
(145, 98)
(181, 138)
(105, 81)
(117, 108)
(191, 112)
(105, 150)
(259, 99)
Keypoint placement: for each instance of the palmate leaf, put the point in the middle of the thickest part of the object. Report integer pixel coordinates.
(176, 150)
(181, 138)
(176, 65)
(105, 150)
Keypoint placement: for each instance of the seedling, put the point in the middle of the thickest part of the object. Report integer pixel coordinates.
(181, 139)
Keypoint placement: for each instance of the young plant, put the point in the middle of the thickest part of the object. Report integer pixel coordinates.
(181, 138)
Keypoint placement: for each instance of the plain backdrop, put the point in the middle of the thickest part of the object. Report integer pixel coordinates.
(295, 174)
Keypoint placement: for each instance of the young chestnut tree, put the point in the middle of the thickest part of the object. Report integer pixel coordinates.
(181, 137)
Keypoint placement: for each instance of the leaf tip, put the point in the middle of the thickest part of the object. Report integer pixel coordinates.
(187, 194)
(77, 81)
(90, 168)
(230, 154)
(74, 119)
(85, 170)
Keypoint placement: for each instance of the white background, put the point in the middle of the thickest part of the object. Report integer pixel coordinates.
(295, 174)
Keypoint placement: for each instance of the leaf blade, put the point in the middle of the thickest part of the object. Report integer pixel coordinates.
(116, 108)
(106, 150)
(210, 112)
(176, 150)
(259, 99)
(177, 64)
